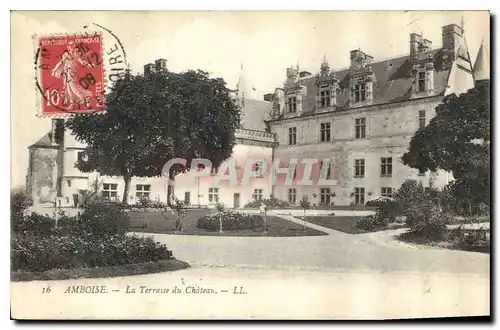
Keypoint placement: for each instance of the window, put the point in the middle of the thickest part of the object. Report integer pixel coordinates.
(421, 173)
(360, 128)
(81, 156)
(292, 195)
(292, 104)
(292, 135)
(325, 99)
(214, 170)
(359, 196)
(359, 168)
(257, 168)
(325, 132)
(324, 194)
(110, 191)
(328, 170)
(421, 118)
(386, 166)
(257, 194)
(359, 92)
(213, 195)
(421, 81)
(187, 198)
(386, 192)
(142, 190)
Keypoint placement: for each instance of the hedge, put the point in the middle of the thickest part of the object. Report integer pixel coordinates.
(230, 221)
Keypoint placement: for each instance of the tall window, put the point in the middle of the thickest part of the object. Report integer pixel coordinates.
(292, 135)
(257, 168)
(360, 128)
(110, 191)
(421, 118)
(325, 132)
(324, 195)
(386, 166)
(142, 190)
(386, 192)
(325, 98)
(292, 195)
(359, 168)
(187, 198)
(359, 92)
(257, 194)
(292, 104)
(359, 196)
(421, 81)
(213, 195)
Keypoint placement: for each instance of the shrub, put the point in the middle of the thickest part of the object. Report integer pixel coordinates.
(103, 218)
(271, 202)
(427, 220)
(35, 224)
(19, 202)
(230, 221)
(372, 222)
(386, 207)
(30, 253)
(411, 192)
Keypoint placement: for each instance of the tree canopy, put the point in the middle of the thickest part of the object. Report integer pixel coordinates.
(457, 140)
(154, 118)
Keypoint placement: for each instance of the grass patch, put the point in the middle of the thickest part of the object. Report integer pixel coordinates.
(165, 224)
(101, 272)
(344, 224)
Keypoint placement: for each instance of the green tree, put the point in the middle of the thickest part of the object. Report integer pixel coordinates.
(457, 140)
(154, 118)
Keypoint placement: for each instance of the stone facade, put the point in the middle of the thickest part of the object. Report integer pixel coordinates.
(362, 118)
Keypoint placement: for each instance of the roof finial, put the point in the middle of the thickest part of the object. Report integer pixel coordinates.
(297, 65)
(324, 58)
(462, 23)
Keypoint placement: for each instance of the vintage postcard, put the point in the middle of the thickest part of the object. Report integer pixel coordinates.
(312, 165)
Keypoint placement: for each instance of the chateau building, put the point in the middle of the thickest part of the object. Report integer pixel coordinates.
(360, 119)
(356, 122)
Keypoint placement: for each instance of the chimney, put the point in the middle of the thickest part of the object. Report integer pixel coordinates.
(57, 131)
(161, 64)
(304, 74)
(415, 40)
(149, 68)
(452, 35)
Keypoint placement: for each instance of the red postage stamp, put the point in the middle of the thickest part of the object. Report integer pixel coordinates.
(71, 74)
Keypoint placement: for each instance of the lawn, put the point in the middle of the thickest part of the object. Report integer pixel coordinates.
(156, 223)
(344, 224)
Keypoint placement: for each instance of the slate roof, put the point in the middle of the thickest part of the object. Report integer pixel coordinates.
(392, 82)
(44, 142)
(254, 113)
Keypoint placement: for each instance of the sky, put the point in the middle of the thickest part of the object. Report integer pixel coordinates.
(265, 43)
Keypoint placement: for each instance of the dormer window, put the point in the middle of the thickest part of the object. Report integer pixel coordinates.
(325, 98)
(421, 81)
(292, 104)
(359, 92)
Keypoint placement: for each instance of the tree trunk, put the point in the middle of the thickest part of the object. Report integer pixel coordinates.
(170, 189)
(127, 178)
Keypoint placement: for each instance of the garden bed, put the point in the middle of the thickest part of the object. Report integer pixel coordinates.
(101, 272)
(157, 223)
(450, 240)
(345, 224)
